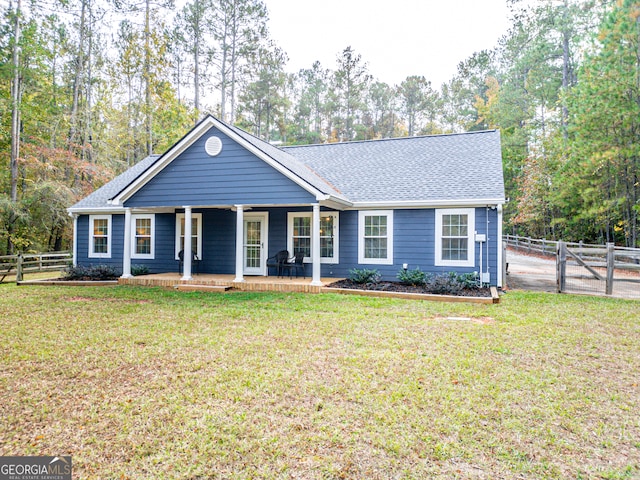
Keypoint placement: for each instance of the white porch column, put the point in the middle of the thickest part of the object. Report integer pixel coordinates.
(239, 243)
(126, 251)
(315, 245)
(75, 239)
(188, 254)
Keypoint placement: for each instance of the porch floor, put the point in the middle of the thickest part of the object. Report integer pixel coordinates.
(250, 284)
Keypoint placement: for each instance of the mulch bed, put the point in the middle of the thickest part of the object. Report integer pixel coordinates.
(399, 287)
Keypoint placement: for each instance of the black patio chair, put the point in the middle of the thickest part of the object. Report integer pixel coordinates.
(195, 262)
(296, 263)
(277, 261)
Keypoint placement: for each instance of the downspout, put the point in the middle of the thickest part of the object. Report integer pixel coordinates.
(499, 244)
(488, 238)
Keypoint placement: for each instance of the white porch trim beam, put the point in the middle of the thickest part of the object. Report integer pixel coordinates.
(188, 254)
(239, 243)
(315, 245)
(126, 250)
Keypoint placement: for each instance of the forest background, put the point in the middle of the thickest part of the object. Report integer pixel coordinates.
(82, 99)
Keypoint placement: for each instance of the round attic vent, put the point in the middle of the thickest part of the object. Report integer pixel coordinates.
(213, 146)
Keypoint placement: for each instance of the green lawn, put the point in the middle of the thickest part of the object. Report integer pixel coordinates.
(152, 383)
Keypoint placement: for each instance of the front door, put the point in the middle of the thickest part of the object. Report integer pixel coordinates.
(255, 244)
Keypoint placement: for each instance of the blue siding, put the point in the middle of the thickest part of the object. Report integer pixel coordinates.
(218, 242)
(164, 247)
(235, 176)
(117, 234)
(414, 242)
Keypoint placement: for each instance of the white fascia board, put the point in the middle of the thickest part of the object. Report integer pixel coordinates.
(117, 210)
(334, 202)
(430, 203)
(95, 210)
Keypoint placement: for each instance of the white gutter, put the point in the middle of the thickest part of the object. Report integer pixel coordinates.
(99, 210)
(472, 202)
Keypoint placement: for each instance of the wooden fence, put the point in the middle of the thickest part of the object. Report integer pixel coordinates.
(581, 266)
(21, 264)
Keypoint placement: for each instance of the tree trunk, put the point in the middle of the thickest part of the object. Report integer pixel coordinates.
(565, 67)
(15, 105)
(196, 59)
(77, 80)
(147, 77)
(87, 137)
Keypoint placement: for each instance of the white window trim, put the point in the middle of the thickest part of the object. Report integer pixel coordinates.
(471, 214)
(362, 214)
(91, 253)
(179, 217)
(336, 238)
(134, 217)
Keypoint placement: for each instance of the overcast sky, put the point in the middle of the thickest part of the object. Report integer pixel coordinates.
(397, 38)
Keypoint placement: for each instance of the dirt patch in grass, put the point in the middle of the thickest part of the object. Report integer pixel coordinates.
(476, 320)
(399, 287)
(94, 299)
(83, 299)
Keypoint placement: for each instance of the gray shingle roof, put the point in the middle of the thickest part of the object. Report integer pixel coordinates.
(438, 168)
(466, 166)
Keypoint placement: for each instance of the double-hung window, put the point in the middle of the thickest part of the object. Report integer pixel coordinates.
(196, 234)
(143, 233)
(454, 237)
(99, 236)
(300, 235)
(375, 237)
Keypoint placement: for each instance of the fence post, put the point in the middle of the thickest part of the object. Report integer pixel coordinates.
(611, 264)
(544, 247)
(19, 268)
(529, 244)
(561, 267)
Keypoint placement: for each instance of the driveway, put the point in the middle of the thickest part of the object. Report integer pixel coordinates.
(530, 273)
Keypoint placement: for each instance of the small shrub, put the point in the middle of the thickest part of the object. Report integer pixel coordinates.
(414, 277)
(91, 272)
(469, 280)
(363, 275)
(139, 270)
(452, 283)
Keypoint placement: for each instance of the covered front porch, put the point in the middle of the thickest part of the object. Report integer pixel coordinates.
(250, 284)
(233, 243)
